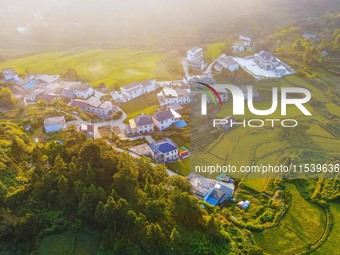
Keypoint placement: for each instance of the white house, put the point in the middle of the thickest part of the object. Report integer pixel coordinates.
(266, 60)
(141, 124)
(226, 62)
(194, 54)
(164, 151)
(149, 86)
(54, 124)
(132, 90)
(170, 96)
(98, 107)
(163, 120)
(242, 44)
(246, 40)
(46, 78)
(94, 105)
(195, 58)
(10, 74)
(83, 90)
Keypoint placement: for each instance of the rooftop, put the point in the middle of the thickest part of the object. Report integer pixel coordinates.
(78, 102)
(54, 120)
(132, 86)
(165, 115)
(48, 78)
(163, 146)
(82, 87)
(143, 119)
(8, 71)
(94, 101)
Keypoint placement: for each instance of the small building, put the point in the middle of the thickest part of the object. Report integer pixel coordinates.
(195, 58)
(224, 178)
(210, 191)
(46, 78)
(244, 204)
(149, 86)
(175, 107)
(54, 124)
(242, 44)
(227, 63)
(93, 105)
(194, 54)
(88, 130)
(132, 90)
(142, 150)
(83, 90)
(141, 124)
(98, 107)
(164, 151)
(10, 74)
(67, 93)
(80, 103)
(266, 60)
(170, 96)
(163, 120)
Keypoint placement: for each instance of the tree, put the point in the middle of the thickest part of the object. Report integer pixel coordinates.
(71, 75)
(7, 100)
(27, 226)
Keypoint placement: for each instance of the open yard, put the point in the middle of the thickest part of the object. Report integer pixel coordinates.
(113, 67)
(147, 104)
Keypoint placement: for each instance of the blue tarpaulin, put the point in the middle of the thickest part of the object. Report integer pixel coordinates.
(29, 85)
(180, 124)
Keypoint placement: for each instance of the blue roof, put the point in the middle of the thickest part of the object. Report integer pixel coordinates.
(180, 124)
(29, 85)
(164, 146)
(212, 201)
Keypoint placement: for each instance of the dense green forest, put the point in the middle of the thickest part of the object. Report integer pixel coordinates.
(79, 184)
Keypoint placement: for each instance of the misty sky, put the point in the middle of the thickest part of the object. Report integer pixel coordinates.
(85, 21)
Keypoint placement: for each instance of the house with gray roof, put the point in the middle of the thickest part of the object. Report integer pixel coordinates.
(163, 119)
(83, 90)
(10, 74)
(141, 124)
(266, 60)
(164, 151)
(93, 105)
(227, 63)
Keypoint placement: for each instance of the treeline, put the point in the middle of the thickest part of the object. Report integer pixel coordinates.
(136, 208)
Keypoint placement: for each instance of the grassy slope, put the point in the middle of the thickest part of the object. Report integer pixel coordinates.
(118, 66)
(147, 104)
(329, 246)
(214, 50)
(68, 243)
(303, 223)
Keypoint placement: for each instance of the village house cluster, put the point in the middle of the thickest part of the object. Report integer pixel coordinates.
(51, 87)
(171, 96)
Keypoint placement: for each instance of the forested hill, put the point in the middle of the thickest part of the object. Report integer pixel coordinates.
(79, 184)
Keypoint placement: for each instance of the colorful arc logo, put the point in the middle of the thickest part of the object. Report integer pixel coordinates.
(209, 90)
